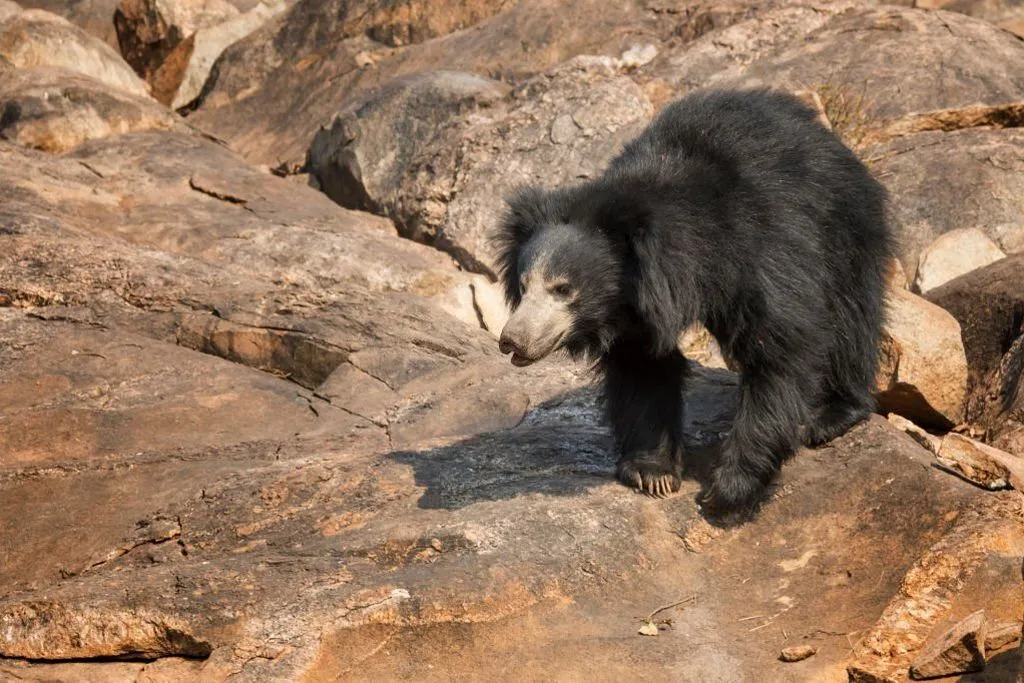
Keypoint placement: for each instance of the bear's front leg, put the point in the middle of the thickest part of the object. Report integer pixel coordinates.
(644, 403)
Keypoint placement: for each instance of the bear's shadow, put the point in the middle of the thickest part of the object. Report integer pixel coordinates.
(562, 447)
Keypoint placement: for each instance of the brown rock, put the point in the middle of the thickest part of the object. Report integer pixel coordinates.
(959, 650)
(148, 30)
(955, 253)
(37, 38)
(981, 171)
(881, 64)
(797, 653)
(188, 66)
(930, 441)
(8, 8)
(993, 11)
(923, 375)
(55, 110)
(1001, 635)
(572, 119)
(270, 92)
(360, 159)
(989, 305)
(981, 464)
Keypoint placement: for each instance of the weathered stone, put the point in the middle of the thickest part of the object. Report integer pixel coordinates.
(875, 64)
(450, 194)
(55, 110)
(38, 38)
(360, 159)
(992, 11)
(986, 466)
(975, 566)
(92, 16)
(929, 441)
(1001, 635)
(724, 54)
(989, 305)
(959, 650)
(270, 92)
(148, 30)
(981, 173)
(955, 253)
(797, 653)
(188, 66)
(8, 8)
(923, 374)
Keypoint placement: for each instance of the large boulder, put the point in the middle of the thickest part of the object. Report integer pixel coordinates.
(95, 17)
(55, 110)
(560, 127)
(882, 63)
(38, 38)
(359, 160)
(181, 76)
(923, 373)
(989, 305)
(8, 8)
(981, 175)
(270, 92)
(955, 253)
(148, 30)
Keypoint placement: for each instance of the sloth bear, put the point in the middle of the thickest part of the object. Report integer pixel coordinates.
(735, 209)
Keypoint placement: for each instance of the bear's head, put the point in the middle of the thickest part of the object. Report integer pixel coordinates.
(561, 276)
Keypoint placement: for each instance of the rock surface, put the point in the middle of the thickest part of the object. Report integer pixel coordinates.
(247, 434)
(181, 76)
(560, 127)
(958, 651)
(55, 110)
(38, 38)
(8, 8)
(955, 253)
(989, 305)
(270, 92)
(980, 171)
(95, 17)
(149, 30)
(923, 374)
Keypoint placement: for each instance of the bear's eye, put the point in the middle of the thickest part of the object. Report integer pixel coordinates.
(562, 290)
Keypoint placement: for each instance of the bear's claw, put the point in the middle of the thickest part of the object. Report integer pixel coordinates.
(650, 474)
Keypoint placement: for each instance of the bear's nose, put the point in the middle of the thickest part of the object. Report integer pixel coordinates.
(506, 345)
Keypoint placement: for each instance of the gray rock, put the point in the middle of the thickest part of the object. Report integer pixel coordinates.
(360, 159)
(558, 128)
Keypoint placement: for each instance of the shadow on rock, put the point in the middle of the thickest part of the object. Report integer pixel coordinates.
(562, 447)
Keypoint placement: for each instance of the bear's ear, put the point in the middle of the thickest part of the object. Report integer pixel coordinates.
(526, 210)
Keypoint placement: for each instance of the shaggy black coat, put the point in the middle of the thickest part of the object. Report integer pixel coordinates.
(739, 210)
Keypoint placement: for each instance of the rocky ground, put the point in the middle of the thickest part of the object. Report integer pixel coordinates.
(253, 420)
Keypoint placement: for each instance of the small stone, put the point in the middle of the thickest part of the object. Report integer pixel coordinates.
(364, 59)
(563, 129)
(797, 653)
(638, 55)
(1002, 635)
(985, 466)
(959, 650)
(929, 441)
(955, 253)
(649, 628)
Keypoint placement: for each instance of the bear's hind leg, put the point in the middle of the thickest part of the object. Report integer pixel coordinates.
(834, 418)
(644, 403)
(765, 433)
